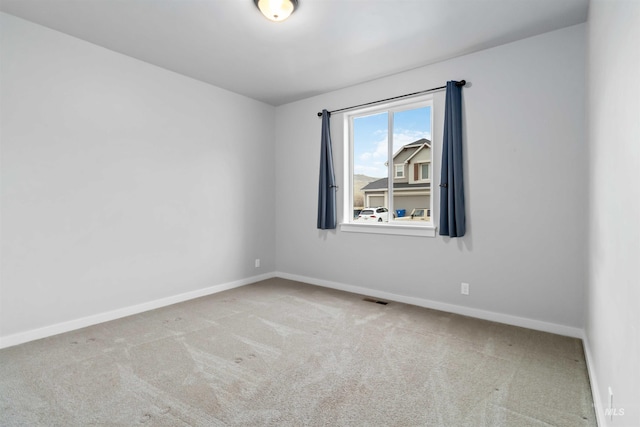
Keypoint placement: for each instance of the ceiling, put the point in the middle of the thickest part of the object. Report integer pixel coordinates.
(325, 45)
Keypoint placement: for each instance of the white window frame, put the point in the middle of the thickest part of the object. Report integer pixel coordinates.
(428, 178)
(425, 229)
(398, 167)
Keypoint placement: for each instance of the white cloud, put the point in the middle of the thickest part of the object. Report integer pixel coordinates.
(404, 137)
(376, 170)
(372, 163)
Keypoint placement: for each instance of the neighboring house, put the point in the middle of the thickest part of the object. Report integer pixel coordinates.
(411, 179)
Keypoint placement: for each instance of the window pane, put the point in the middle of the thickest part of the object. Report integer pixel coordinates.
(425, 171)
(388, 164)
(370, 167)
(412, 147)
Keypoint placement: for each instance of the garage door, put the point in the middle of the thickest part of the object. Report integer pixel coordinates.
(375, 201)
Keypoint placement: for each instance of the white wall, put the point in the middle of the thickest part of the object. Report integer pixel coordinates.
(524, 254)
(613, 303)
(120, 186)
(122, 183)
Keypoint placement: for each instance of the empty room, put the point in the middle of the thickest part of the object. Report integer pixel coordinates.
(320, 213)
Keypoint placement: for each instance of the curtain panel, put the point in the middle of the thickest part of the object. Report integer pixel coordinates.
(327, 216)
(452, 215)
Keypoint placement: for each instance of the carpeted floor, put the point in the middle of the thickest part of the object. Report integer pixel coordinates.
(282, 353)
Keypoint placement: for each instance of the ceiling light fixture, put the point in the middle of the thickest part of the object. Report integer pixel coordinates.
(276, 10)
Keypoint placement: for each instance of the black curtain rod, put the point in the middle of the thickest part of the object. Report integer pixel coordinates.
(460, 83)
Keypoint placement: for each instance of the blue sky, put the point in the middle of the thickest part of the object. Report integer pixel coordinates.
(370, 138)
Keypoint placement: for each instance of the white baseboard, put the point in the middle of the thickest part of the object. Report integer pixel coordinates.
(593, 381)
(47, 331)
(436, 305)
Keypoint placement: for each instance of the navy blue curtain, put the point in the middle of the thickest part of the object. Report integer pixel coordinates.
(452, 219)
(327, 218)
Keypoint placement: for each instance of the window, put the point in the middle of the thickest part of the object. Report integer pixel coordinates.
(388, 167)
(423, 171)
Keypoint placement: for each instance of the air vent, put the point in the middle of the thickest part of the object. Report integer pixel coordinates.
(375, 301)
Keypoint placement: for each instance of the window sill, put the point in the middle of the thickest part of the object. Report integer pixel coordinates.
(396, 229)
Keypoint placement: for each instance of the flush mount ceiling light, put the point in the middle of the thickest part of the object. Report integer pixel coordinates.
(276, 10)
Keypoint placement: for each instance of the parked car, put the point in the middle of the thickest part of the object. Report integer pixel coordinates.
(417, 214)
(378, 214)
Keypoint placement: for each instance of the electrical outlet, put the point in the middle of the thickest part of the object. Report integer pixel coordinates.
(257, 262)
(464, 288)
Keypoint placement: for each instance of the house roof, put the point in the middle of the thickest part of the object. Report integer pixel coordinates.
(415, 153)
(383, 184)
(416, 146)
(418, 143)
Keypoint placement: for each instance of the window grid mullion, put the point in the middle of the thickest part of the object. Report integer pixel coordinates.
(391, 170)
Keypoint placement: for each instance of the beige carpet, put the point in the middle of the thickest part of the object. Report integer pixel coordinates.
(282, 353)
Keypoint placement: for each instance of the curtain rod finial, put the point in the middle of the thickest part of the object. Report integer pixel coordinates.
(461, 83)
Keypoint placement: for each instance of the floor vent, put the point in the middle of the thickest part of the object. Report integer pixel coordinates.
(375, 300)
